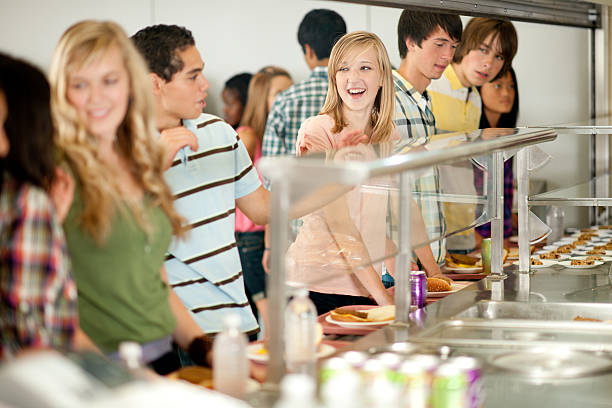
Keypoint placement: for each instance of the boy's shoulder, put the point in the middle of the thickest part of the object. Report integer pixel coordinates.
(211, 129)
(207, 122)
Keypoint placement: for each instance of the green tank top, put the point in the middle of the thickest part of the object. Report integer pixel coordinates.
(120, 292)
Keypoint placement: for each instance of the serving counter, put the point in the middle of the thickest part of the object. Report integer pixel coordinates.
(525, 318)
(308, 183)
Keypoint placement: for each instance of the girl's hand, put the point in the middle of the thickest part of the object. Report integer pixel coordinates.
(352, 138)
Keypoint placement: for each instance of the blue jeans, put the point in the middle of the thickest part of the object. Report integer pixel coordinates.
(251, 248)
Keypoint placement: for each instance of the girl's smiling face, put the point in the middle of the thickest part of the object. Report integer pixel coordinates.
(358, 79)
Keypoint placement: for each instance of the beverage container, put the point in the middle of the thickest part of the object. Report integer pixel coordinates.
(297, 391)
(331, 368)
(340, 385)
(554, 219)
(301, 334)
(230, 368)
(415, 388)
(485, 250)
(472, 370)
(356, 359)
(418, 285)
(449, 387)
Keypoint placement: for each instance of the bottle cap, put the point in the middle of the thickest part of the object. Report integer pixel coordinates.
(231, 321)
(298, 385)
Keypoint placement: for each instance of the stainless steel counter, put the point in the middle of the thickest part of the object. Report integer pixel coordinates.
(523, 313)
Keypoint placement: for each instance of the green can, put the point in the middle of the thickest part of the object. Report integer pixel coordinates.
(449, 387)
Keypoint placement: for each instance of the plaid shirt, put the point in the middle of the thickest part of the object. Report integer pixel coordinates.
(485, 230)
(38, 305)
(292, 107)
(416, 124)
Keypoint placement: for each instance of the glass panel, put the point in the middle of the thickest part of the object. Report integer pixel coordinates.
(351, 234)
(579, 192)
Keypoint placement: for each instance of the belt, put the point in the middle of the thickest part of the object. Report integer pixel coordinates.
(150, 351)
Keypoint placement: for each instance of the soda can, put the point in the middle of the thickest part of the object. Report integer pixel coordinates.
(355, 359)
(472, 370)
(392, 362)
(449, 387)
(331, 368)
(418, 284)
(415, 384)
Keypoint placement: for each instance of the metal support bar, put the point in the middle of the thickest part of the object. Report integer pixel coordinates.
(559, 12)
(403, 295)
(496, 178)
(277, 298)
(522, 175)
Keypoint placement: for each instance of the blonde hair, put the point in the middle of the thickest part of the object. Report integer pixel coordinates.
(256, 110)
(384, 104)
(81, 45)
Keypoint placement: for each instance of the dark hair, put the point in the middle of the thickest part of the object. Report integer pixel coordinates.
(29, 125)
(476, 32)
(320, 29)
(506, 120)
(419, 25)
(159, 45)
(240, 84)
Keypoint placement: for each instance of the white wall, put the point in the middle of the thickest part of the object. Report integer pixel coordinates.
(244, 35)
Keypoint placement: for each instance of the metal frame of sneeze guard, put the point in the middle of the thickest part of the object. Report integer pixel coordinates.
(315, 175)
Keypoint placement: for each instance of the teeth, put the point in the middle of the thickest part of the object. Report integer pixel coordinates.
(356, 91)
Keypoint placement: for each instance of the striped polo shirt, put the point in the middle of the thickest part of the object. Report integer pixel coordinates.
(204, 268)
(456, 108)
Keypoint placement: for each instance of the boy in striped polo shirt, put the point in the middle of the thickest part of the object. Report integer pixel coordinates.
(208, 181)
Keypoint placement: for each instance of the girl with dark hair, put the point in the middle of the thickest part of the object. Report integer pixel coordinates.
(235, 95)
(500, 106)
(38, 307)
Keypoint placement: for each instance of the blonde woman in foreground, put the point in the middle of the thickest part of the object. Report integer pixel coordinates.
(122, 219)
(347, 234)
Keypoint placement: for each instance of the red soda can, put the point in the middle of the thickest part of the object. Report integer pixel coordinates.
(418, 285)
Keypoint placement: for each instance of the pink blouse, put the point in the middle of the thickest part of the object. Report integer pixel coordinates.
(315, 259)
(244, 223)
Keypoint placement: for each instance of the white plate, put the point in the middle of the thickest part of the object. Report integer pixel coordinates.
(567, 265)
(252, 352)
(561, 257)
(605, 258)
(455, 287)
(545, 263)
(548, 248)
(329, 319)
(608, 253)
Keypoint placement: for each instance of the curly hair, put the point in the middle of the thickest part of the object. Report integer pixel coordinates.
(81, 45)
(160, 45)
(384, 104)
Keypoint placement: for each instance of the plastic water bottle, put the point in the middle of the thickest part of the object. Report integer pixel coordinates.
(297, 391)
(301, 334)
(554, 219)
(130, 355)
(230, 364)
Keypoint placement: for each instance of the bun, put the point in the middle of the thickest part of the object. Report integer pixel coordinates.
(377, 314)
(438, 285)
(464, 259)
(382, 314)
